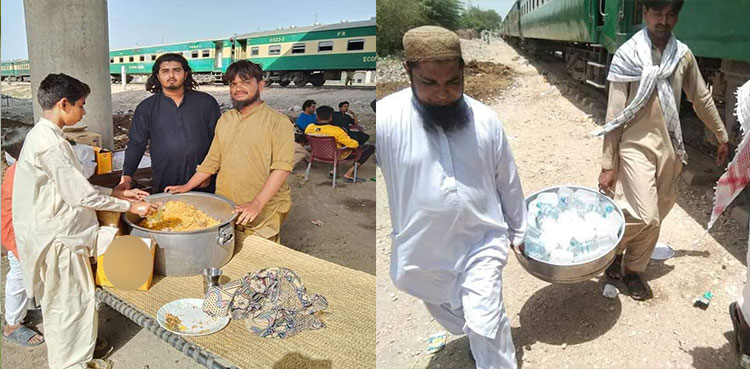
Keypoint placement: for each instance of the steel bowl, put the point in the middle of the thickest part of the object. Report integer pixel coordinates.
(576, 272)
(188, 253)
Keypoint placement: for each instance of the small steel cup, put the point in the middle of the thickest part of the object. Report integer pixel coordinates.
(211, 278)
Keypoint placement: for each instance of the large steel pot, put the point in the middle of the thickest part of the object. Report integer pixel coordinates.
(188, 253)
(571, 273)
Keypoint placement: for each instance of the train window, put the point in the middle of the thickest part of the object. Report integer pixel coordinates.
(274, 49)
(194, 54)
(122, 59)
(131, 59)
(142, 58)
(153, 57)
(356, 44)
(254, 50)
(111, 60)
(298, 48)
(206, 53)
(324, 46)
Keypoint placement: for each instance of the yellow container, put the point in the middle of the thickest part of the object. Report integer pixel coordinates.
(140, 269)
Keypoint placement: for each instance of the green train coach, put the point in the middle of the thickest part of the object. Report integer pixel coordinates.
(208, 59)
(588, 32)
(294, 55)
(311, 54)
(300, 55)
(15, 70)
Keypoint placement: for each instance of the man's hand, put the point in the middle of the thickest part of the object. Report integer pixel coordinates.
(142, 208)
(124, 183)
(177, 189)
(607, 180)
(721, 154)
(248, 212)
(130, 195)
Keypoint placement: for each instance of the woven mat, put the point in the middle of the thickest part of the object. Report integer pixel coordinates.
(348, 341)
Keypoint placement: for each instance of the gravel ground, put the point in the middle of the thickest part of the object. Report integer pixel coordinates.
(574, 326)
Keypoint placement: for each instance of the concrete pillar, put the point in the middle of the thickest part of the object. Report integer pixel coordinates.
(72, 37)
(368, 76)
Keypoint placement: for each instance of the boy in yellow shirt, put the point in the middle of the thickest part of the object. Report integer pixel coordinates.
(325, 128)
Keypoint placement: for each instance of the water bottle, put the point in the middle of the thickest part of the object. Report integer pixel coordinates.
(564, 194)
(536, 251)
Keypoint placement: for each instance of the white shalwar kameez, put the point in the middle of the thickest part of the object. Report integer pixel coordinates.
(456, 203)
(56, 232)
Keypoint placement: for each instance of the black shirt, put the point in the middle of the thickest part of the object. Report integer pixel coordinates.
(179, 137)
(342, 120)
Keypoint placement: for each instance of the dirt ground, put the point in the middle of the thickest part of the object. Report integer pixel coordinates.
(346, 236)
(574, 326)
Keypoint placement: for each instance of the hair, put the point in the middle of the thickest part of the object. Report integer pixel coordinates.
(245, 69)
(308, 103)
(55, 87)
(324, 112)
(153, 85)
(661, 4)
(343, 103)
(13, 140)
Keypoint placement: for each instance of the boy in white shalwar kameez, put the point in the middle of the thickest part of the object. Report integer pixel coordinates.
(56, 226)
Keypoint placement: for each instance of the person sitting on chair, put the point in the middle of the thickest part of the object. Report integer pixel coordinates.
(325, 127)
(346, 119)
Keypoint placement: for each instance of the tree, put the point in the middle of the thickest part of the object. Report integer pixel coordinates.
(444, 13)
(394, 18)
(479, 19)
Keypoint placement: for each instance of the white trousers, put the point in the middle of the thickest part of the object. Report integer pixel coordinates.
(495, 353)
(16, 300)
(744, 300)
(69, 308)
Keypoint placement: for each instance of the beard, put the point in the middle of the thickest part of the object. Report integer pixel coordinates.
(450, 118)
(239, 104)
(174, 87)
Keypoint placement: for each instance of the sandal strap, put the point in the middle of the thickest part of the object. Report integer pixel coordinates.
(22, 335)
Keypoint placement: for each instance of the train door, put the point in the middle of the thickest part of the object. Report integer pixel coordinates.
(218, 54)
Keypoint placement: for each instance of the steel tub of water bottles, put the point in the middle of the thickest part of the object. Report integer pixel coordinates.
(575, 272)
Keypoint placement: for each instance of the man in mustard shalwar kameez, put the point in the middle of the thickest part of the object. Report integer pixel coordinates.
(643, 151)
(253, 154)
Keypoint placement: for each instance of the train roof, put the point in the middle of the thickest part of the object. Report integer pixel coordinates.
(173, 43)
(324, 27)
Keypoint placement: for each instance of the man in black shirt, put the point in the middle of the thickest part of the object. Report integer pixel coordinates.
(178, 121)
(347, 120)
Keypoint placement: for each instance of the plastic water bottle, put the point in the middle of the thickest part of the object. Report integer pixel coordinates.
(549, 198)
(564, 194)
(534, 250)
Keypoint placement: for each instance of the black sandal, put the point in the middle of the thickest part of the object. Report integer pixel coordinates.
(636, 286)
(614, 271)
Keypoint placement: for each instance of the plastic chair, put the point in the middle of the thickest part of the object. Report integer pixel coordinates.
(325, 150)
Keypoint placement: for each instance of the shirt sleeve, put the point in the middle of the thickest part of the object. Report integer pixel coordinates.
(140, 132)
(703, 103)
(72, 186)
(212, 162)
(618, 97)
(509, 189)
(344, 139)
(282, 146)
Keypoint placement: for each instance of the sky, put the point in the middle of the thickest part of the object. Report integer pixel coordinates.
(500, 6)
(169, 21)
